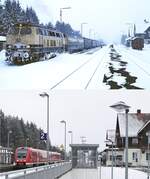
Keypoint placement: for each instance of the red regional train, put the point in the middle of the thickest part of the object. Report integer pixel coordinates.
(27, 156)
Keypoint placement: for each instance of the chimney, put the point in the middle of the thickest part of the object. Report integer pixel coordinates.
(138, 111)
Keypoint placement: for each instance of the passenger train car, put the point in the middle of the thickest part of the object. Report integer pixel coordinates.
(26, 43)
(27, 156)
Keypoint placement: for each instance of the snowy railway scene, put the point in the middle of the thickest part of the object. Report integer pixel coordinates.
(74, 89)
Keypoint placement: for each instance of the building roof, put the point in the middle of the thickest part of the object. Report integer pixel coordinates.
(135, 122)
(111, 135)
(141, 28)
(84, 145)
(148, 122)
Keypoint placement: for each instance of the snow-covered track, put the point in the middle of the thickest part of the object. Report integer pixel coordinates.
(138, 64)
(83, 75)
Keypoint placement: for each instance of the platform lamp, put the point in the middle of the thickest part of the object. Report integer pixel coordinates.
(44, 94)
(61, 9)
(64, 122)
(120, 107)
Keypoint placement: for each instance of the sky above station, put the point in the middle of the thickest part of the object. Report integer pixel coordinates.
(87, 113)
(107, 19)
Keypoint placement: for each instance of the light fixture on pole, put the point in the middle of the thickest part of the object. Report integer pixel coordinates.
(83, 23)
(44, 94)
(71, 136)
(64, 122)
(121, 106)
(148, 154)
(8, 138)
(61, 9)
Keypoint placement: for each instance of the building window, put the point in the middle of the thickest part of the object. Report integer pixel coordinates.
(147, 156)
(119, 157)
(134, 140)
(134, 156)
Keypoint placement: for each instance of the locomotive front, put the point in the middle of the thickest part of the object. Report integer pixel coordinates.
(18, 42)
(21, 156)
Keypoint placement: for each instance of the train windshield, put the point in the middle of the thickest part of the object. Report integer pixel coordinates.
(22, 153)
(15, 30)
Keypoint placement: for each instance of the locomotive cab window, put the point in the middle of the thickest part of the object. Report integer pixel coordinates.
(13, 31)
(25, 31)
(22, 153)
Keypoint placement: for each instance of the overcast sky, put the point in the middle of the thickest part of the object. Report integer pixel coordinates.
(107, 18)
(87, 113)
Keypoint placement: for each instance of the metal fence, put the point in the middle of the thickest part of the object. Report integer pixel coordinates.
(43, 172)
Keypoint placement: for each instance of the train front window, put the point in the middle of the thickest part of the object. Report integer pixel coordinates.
(22, 30)
(22, 153)
(25, 31)
(14, 31)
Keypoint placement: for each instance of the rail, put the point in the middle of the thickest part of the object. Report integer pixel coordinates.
(44, 172)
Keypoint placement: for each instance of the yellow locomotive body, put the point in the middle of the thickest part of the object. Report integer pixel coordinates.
(27, 43)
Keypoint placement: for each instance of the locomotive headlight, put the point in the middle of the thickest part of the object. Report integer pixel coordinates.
(9, 46)
(28, 46)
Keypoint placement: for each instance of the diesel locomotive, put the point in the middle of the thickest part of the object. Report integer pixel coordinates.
(26, 43)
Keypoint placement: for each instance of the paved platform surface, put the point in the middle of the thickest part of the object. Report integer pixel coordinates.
(81, 174)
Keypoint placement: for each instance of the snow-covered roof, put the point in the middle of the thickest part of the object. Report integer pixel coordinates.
(144, 126)
(2, 38)
(111, 135)
(141, 28)
(135, 123)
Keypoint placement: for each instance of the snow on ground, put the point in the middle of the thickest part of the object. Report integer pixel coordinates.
(42, 74)
(79, 70)
(138, 64)
(105, 174)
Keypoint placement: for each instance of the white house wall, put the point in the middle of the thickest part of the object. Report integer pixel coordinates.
(136, 160)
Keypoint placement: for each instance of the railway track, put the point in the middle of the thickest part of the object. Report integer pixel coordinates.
(142, 65)
(135, 69)
(79, 78)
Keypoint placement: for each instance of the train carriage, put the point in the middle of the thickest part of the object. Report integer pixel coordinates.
(28, 156)
(74, 44)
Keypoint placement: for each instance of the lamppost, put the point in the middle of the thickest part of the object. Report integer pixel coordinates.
(61, 9)
(83, 23)
(100, 167)
(148, 157)
(43, 95)
(112, 156)
(64, 122)
(121, 106)
(8, 138)
(71, 133)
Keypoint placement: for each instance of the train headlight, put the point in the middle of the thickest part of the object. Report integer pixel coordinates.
(26, 55)
(28, 46)
(9, 46)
